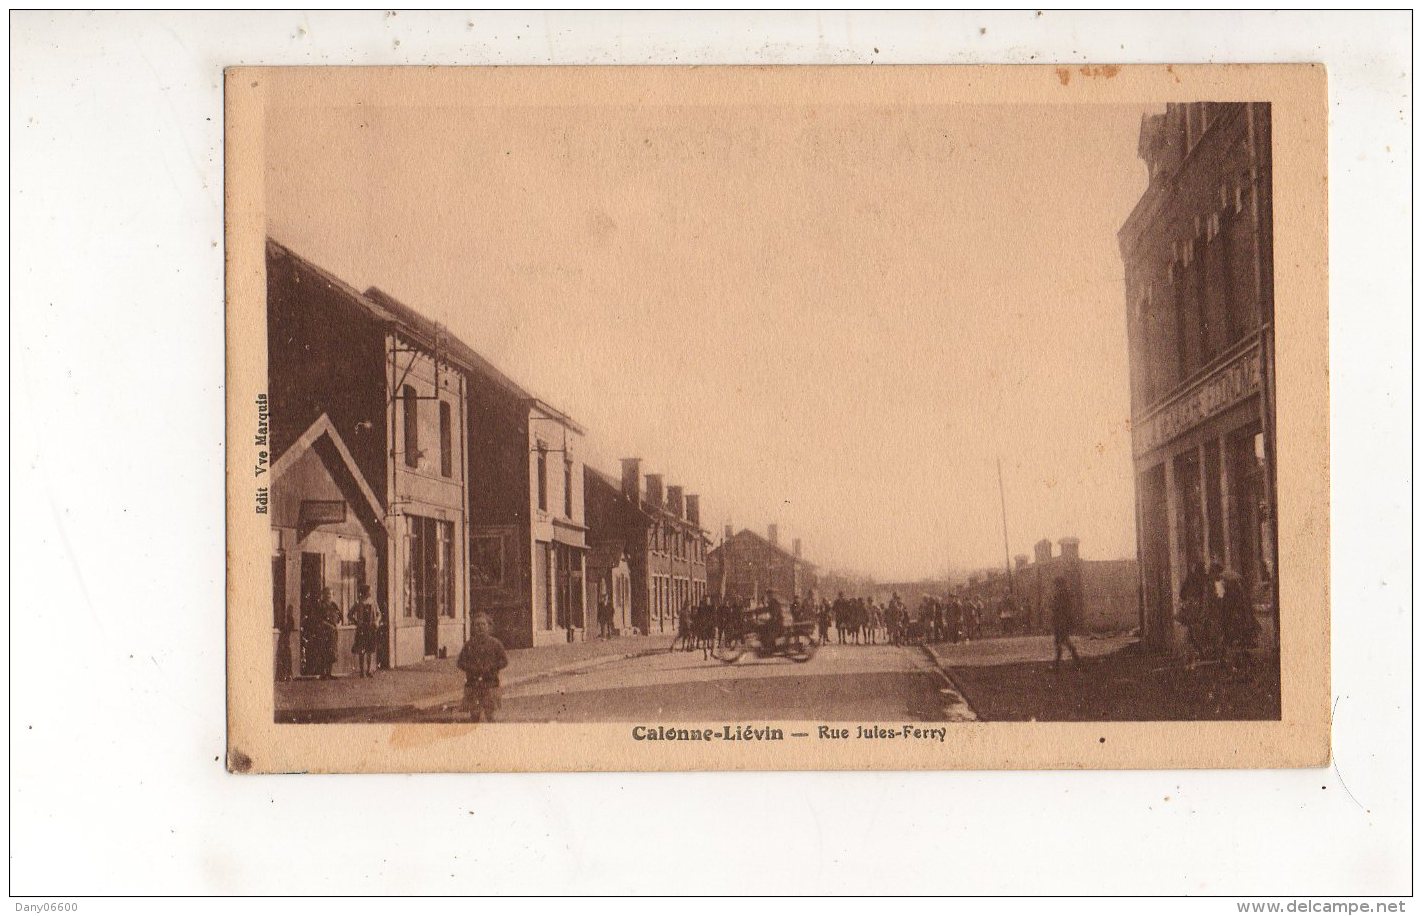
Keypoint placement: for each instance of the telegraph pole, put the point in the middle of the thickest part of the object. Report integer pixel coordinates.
(1006, 551)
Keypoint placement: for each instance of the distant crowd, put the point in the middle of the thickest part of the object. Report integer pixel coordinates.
(856, 620)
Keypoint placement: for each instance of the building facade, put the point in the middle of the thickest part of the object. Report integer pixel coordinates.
(659, 531)
(527, 544)
(1108, 590)
(396, 402)
(1198, 255)
(328, 532)
(745, 566)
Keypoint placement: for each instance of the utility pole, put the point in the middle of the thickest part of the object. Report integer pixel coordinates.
(1006, 551)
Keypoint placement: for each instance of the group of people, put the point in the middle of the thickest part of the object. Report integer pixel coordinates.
(1216, 613)
(320, 636)
(854, 620)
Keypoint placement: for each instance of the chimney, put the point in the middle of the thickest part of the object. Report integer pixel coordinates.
(1043, 550)
(796, 544)
(674, 501)
(774, 535)
(693, 509)
(1071, 549)
(1020, 560)
(654, 489)
(632, 478)
(728, 534)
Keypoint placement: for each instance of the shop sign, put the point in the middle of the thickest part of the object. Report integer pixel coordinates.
(1216, 393)
(322, 512)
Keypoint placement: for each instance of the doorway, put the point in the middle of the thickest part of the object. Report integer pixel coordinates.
(313, 580)
(1155, 558)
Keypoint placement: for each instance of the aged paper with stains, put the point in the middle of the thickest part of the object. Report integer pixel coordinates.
(661, 418)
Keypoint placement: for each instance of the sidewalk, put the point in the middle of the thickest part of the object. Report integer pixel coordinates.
(1117, 682)
(405, 690)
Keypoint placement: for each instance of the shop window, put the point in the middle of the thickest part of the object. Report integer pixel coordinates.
(411, 418)
(429, 568)
(486, 560)
(1190, 520)
(350, 574)
(446, 443)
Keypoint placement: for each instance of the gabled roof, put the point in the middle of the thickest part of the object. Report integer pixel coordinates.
(386, 309)
(778, 549)
(432, 335)
(321, 428)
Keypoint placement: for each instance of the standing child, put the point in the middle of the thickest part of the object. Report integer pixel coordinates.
(365, 618)
(481, 660)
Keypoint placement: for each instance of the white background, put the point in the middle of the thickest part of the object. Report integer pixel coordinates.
(116, 623)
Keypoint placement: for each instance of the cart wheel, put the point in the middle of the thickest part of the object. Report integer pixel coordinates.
(802, 650)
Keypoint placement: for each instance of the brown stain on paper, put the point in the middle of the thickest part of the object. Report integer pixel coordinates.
(408, 735)
(1106, 71)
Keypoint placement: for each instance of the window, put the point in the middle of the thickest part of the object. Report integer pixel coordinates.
(412, 426)
(446, 444)
(429, 567)
(542, 477)
(350, 566)
(486, 560)
(567, 487)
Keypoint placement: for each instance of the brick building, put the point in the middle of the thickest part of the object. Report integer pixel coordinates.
(658, 531)
(1108, 589)
(358, 392)
(744, 566)
(1198, 255)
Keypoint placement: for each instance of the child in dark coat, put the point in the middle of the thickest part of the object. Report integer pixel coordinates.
(481, 660)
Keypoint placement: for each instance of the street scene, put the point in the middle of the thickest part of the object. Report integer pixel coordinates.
(507, 463)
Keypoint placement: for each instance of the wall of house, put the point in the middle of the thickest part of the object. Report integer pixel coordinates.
(500, 508)
(558, 534)
(427, 482)
(324, 355)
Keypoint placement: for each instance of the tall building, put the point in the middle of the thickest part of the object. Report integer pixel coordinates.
(1198, 254)
(366, 402)
(527, 541)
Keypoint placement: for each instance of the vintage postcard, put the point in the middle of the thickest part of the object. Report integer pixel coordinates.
(662, 418)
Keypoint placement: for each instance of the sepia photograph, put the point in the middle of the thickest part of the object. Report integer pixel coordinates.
(705, 415)
(756, 453)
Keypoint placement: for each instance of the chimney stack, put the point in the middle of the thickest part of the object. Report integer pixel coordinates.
(674, 501)
(1071, 549)
(1021, 560)
(693, 509)
(1043, 550)
(774, 532)
(654, 489)
(632, 479)
(796, 544)
(728, 534)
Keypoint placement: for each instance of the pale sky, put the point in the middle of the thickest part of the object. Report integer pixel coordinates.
(835, 318)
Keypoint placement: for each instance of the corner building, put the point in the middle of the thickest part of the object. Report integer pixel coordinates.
(1198, 256)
